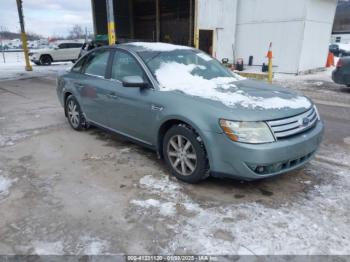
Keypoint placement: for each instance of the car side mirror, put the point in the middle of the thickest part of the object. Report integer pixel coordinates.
(134, 81)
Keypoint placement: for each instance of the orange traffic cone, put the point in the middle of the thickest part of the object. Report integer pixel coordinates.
(330, 60)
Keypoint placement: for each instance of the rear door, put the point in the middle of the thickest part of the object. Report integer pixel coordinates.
(134, 110)
(93, 87)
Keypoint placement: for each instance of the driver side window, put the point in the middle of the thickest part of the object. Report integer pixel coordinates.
(124, 65)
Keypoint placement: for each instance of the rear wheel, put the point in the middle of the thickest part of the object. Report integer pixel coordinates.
(185, 154)
(45, 60)
(75, 116)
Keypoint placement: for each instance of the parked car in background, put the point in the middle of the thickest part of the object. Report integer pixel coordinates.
(341, 75)
(340, 49)
(195, 113)
(63, 52)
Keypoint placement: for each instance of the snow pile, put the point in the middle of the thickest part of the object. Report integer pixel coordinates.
(92, 246)
(219, 228)
(14, 67)
(160, 47)
(165, 209)
(48, 248)
(11, 140)
(175, 76)
(5, 184)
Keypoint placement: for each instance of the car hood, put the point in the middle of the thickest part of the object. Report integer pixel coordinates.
(249, 100)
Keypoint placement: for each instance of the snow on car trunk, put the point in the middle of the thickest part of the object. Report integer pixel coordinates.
(176, 76)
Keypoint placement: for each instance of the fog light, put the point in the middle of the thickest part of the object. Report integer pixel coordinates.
(260, 169)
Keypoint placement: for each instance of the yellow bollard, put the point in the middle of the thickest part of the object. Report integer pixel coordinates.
(23, 35)
(26, 52)
(112, 37)
(269, 56)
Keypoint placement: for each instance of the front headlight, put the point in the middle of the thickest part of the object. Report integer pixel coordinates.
(247, 132)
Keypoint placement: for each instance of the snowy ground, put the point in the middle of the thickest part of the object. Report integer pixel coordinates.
(66, 192)
(14, 67)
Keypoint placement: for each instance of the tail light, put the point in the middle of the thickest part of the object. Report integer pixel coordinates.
(340, 63)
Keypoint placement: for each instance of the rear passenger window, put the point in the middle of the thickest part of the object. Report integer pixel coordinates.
(96, 63)
(78, 66)
(124, 65)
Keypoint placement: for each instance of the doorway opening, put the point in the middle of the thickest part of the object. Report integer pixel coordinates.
(206, 41)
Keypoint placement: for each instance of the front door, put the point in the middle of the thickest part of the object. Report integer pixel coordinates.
(133, 112)
(93, 87)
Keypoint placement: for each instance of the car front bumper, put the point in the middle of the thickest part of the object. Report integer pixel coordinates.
(251, 162)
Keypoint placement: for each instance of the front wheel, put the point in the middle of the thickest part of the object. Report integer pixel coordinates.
(185, 154)
(45, 60)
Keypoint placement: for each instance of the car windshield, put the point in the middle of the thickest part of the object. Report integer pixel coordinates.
(194, 62)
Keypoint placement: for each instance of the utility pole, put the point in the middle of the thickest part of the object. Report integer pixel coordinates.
(23, 35)
(112, 38)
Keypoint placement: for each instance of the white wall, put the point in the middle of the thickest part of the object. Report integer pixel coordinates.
(299, 30)
(318, 27)
(220, 16)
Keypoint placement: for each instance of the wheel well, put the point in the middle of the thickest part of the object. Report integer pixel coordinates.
(165, 127)
(66, 95)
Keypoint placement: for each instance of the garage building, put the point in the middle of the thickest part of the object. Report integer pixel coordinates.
(300, 30)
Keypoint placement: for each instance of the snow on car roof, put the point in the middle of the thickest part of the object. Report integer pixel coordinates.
(175, 76)
(159, 47)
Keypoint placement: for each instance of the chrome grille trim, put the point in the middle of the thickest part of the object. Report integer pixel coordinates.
(293, 125)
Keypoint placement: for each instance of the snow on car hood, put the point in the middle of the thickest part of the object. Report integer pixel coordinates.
(175, 76)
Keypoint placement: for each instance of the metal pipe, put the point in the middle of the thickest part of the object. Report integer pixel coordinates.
(190, 42)
(131, 19)
(157, 21)
(196, 30)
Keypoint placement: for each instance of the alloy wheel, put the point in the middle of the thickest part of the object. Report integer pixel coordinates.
(73, 114)
(182, 155)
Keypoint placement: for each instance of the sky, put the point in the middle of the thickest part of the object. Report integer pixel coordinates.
(47, 17)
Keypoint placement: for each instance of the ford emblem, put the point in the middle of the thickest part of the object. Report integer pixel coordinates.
(306, 121)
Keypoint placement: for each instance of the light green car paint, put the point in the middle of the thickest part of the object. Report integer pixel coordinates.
(143, 114)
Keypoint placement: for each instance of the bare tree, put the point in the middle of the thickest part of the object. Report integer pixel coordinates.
(76, 32)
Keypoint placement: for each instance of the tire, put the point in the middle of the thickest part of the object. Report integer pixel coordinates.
(45, 60)
(185, 155)
(75, 116)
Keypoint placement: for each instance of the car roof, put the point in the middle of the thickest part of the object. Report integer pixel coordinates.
(151, 47)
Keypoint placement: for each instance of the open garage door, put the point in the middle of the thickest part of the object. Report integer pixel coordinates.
(148, 20)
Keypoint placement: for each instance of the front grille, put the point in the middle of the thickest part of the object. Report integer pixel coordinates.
(291, 126)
